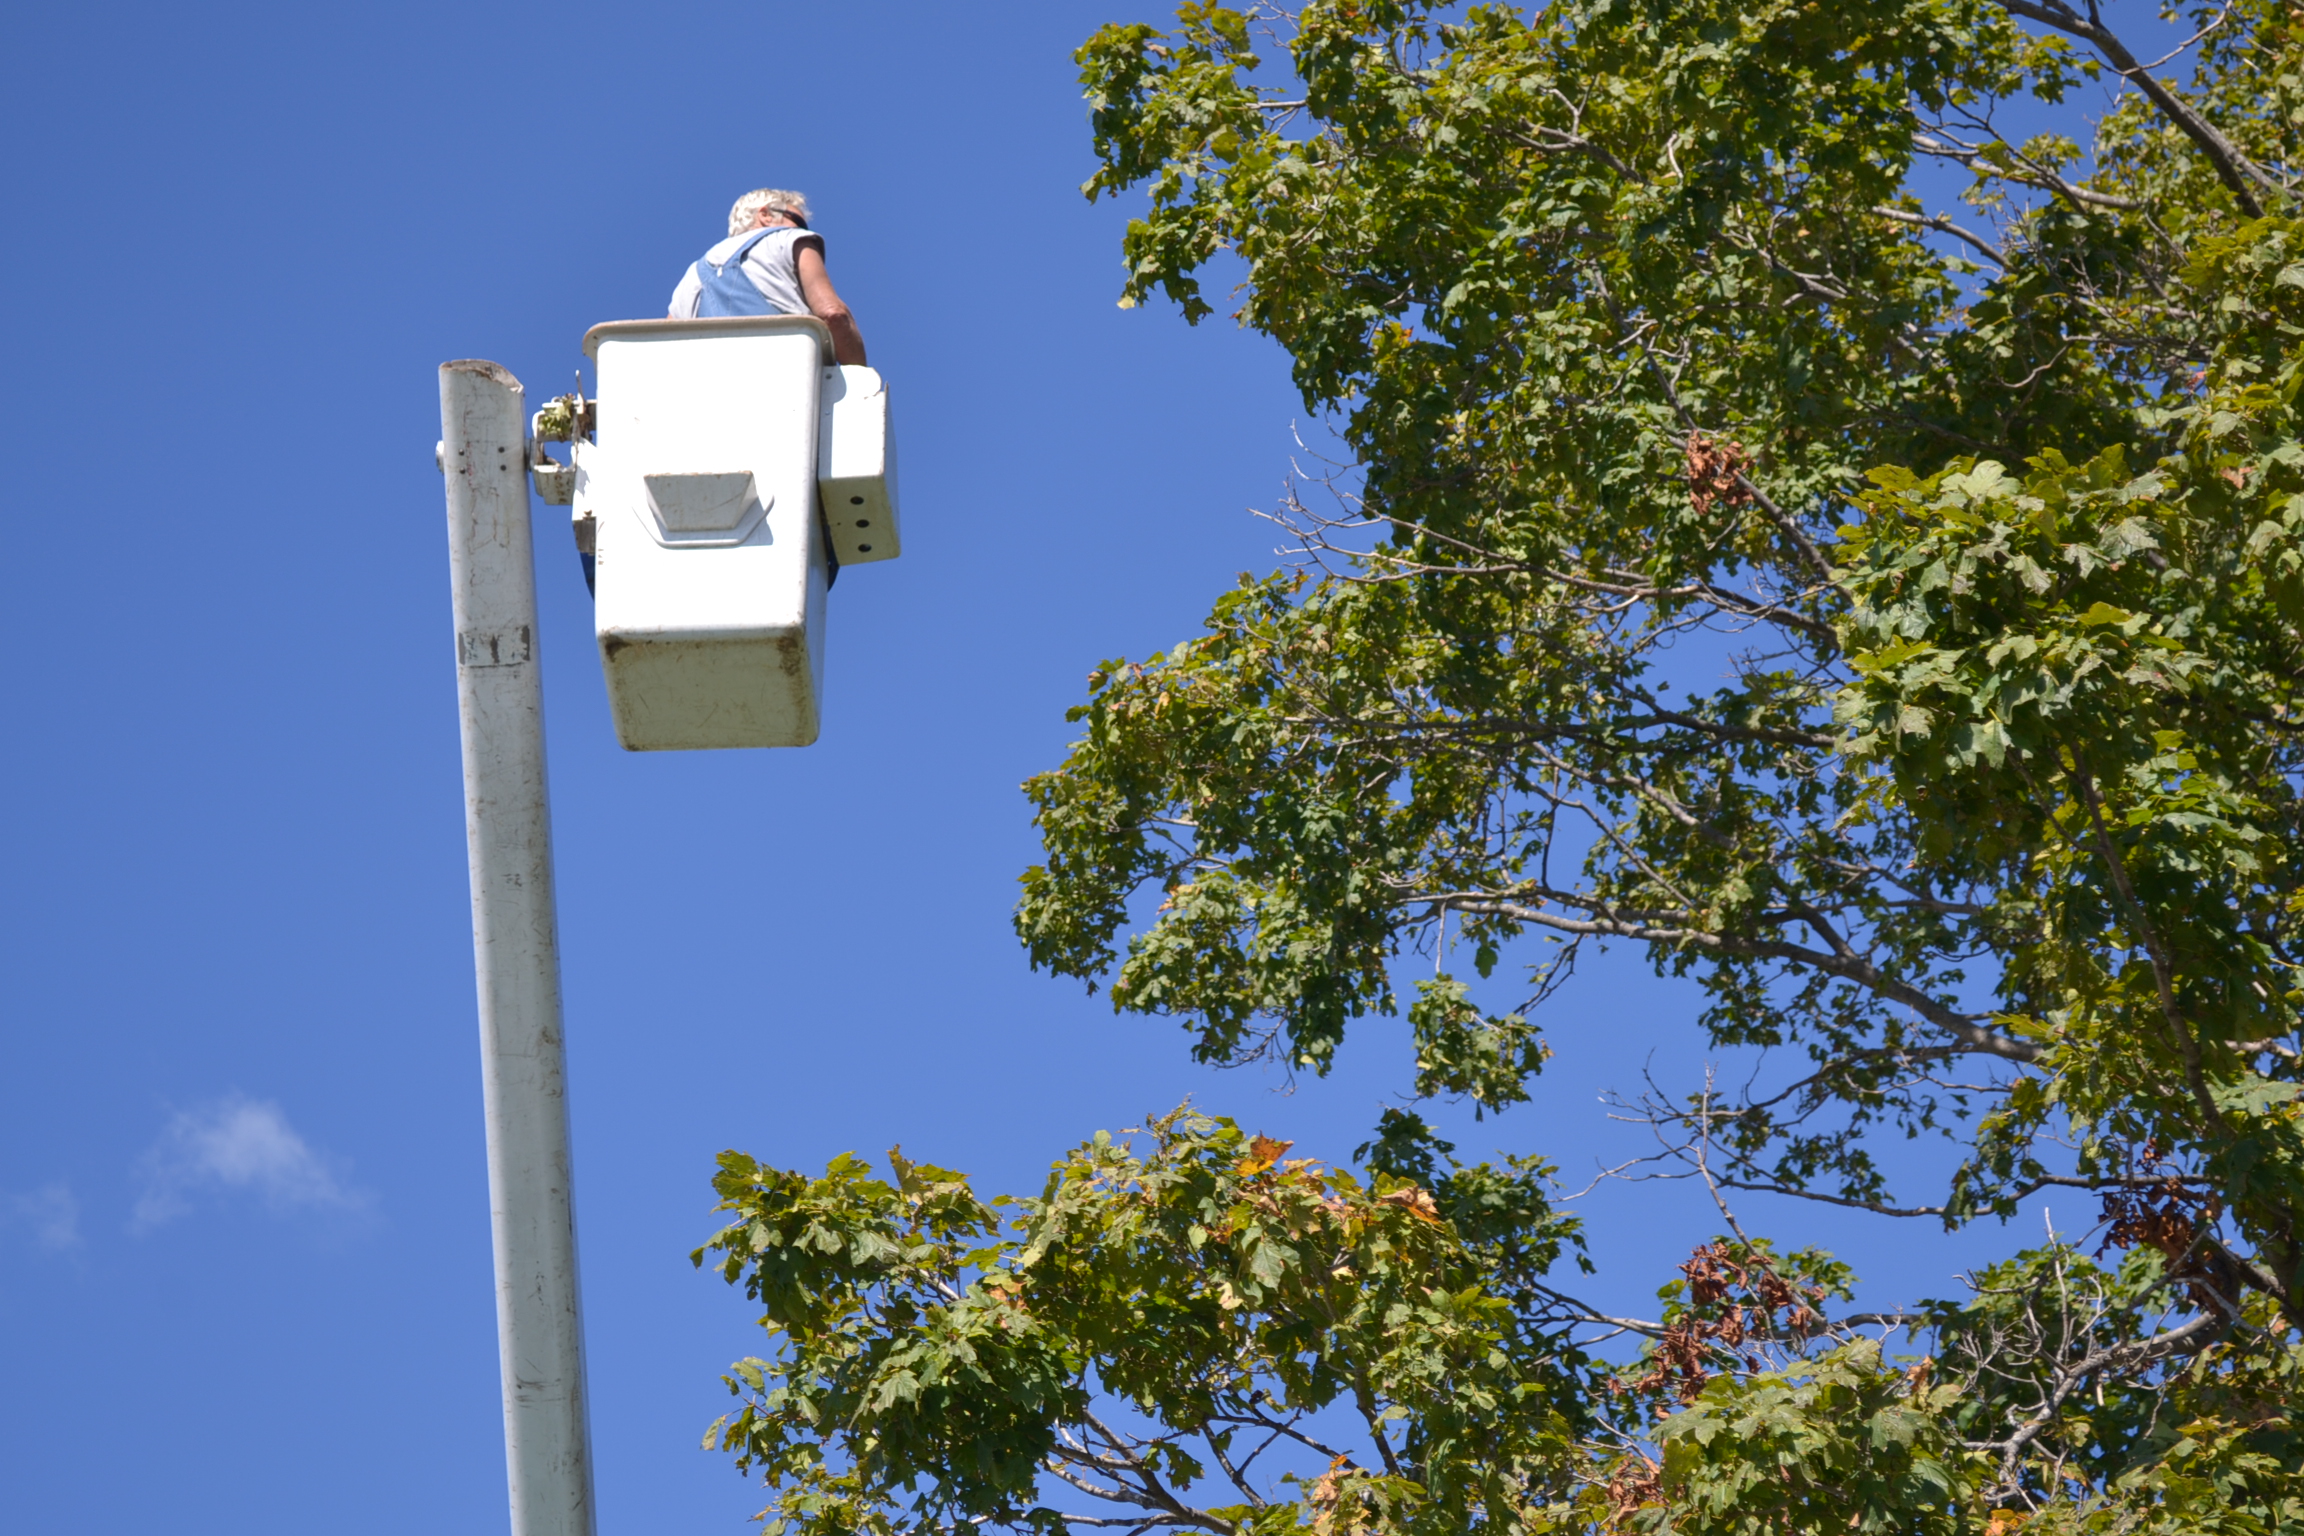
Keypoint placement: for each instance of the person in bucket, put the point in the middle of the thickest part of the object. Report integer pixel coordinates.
(772, 263)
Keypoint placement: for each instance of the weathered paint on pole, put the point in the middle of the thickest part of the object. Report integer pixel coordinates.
(516, 951)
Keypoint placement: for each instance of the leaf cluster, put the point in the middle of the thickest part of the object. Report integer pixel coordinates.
(1195, 1313)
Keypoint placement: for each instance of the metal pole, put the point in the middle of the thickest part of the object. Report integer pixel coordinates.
(516, 951)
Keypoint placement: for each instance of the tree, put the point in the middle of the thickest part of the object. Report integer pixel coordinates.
(1642, 340)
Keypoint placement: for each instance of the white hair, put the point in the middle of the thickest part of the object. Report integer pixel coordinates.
(747, 209)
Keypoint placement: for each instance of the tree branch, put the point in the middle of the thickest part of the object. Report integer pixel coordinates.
(1655, 929)
(1944, 225)
(2051, 1181)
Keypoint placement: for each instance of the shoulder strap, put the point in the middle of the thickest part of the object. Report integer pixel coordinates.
(741, 251)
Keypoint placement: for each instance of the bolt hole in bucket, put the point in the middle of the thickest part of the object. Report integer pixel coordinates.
(856, 465)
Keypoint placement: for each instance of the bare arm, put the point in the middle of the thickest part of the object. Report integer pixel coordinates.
(824, 303)
(684, 297)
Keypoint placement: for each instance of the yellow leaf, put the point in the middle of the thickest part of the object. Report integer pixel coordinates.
(1414, 1201)
(1263, 1152)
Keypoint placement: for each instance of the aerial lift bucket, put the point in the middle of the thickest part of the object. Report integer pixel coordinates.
(732, 470)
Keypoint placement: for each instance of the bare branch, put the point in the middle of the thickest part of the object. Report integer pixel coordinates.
(2184, 1338)
(1944, 225)
(2024, 1191)
(2036, 174)
(1668, 929)
(2240, 175)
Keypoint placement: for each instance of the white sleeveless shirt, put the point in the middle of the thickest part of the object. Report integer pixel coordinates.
(773, 265)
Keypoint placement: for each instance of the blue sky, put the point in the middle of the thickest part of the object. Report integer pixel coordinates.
(244, 1278)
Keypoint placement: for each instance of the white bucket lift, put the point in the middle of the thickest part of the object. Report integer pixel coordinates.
(725, 452)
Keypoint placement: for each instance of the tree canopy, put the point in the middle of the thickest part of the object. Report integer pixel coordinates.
(1929, 370)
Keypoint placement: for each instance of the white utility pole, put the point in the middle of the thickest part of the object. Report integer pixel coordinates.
(516, 950)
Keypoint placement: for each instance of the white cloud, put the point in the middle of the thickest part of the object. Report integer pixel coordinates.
(51, 1212)
(237, 1144)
